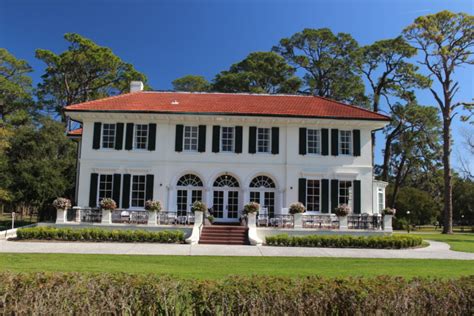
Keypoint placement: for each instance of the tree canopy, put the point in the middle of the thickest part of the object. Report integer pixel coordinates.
(191, 83)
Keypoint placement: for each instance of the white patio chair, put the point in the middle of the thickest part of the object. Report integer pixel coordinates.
(262, 218)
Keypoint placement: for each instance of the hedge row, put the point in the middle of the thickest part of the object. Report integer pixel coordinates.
(96, 234)
(337, 241)
(118, 294)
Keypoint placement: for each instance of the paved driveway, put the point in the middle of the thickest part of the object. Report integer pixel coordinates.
(436, 250)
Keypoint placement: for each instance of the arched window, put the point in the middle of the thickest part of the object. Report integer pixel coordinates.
(226, 181)
(189, 180)
(262, 182)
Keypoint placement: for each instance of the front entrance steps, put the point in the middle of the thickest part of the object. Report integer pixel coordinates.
(224, 235)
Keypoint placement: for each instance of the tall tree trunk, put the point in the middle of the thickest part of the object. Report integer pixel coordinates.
(398, 181)
(448, 186)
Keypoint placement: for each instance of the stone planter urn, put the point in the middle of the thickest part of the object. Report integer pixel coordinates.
(298, 220)
(61, 216)
(342, 222)
(152, 218)
(387, 223)
(106, 217)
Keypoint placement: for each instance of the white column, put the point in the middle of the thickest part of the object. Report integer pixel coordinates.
(171, 201)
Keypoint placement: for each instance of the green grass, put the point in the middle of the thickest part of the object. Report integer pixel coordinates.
(6, 221)
(207, 267)
(458, 241)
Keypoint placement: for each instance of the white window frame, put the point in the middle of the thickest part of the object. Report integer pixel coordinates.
(307, 194)
(190, 149)
(232, 139)
(269, 149)
(349, 192)
(135, 136)
(380, 200)
(113, 136)
(111, 187)
(317, 141)
(132, 190)
(349, 143)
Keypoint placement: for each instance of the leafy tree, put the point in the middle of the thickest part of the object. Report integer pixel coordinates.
(84, 72)
(259, 72)
(327, 61)
(463, 201)
(191, 83)
(15, 84)
(445, 40)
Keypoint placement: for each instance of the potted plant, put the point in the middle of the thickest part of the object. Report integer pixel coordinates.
(250, 214)
(198, 206)
(153, 207)
(107, 205)
(251, 208)
(388, 214)
(297, 209)
(341, 212)
(389, 211)
(61, 205)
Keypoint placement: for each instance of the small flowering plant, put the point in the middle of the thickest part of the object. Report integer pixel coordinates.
(342, 210)
(198, 206)
(153, 206)
(108, 204)
(62, 203)
(389, 211)
(296, 208)
(251, 208)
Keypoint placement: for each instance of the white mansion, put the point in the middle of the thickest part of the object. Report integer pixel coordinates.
(226, 150)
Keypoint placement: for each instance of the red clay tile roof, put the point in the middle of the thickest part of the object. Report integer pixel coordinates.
(75, 132)
(228, 104)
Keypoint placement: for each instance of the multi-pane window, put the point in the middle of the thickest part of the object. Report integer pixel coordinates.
(313, 194)
(108, 136)
(190, 138)
(344, 192)
(141, 136)
(227, 139)
(381, 202)
(263, 140)
(314, 141)
(105, 186)
(138, 191)
(345, 142)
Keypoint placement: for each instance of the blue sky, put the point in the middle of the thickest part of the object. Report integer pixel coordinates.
(169, 39)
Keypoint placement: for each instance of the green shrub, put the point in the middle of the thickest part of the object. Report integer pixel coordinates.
(122, 294)
(96, 234)
(345, 241)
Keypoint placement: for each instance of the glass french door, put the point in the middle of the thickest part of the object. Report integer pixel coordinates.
(265, 199)
(185, 200)
(226, 205)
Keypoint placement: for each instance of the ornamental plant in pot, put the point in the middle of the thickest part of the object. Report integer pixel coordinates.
(198, 206)
(107, 205)
(61, 205)
(389, 211)
(297, 208)
(153, 207)
(251, 208)
(342, 210)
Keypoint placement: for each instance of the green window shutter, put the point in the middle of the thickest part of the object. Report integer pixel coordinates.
(202, 139)
(96, 139)
(126, 191)
(334, 142)
(325, 196)
(93, 190)
(275, 140)
(356, 141)
(150, 181)
(216, 131)
(302, 190)
(325, 142)
(238, 139)
(302, 141)
(178, 145)
(357, 198)
(151, 136)
(334, 194)
(119, 137)
(252, 139)
(129, 137)
(116, 188)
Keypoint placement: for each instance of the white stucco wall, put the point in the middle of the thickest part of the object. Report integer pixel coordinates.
(168, 165)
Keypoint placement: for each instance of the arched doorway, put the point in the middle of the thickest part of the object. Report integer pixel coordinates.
(226, 199)
(189, 189)
(263, 191)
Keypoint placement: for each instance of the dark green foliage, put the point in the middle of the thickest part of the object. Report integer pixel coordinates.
(95, 234)
(325, 241)
(117, 294)
(191, 83)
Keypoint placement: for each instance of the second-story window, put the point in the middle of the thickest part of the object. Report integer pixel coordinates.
(141, 136)
(108, 136)
(138, 191)
(345, 142)
(263, 140)
(314, 141)
(105, 186)
(190, 138)
(227, 139)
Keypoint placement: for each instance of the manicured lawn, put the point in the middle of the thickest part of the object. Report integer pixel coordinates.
(218, 267)
(457, 241)
(6, 221)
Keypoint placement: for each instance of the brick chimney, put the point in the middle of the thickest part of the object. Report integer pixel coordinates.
(136, 86)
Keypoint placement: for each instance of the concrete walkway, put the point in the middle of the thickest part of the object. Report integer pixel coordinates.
(436, 250)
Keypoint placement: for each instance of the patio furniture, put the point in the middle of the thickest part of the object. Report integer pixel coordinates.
(262, 217)
(125, 217)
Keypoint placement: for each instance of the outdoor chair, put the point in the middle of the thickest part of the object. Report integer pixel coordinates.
(262, 218)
